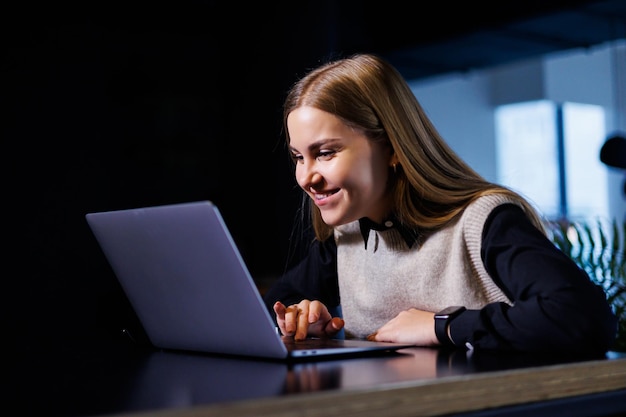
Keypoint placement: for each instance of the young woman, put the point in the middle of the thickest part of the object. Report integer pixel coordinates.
(411, 244)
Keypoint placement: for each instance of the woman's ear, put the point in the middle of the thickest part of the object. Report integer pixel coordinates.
(393, 161)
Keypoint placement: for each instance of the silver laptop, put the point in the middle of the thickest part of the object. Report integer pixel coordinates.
(191, 290)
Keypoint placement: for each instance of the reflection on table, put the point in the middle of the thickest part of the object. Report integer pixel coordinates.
(176, 380)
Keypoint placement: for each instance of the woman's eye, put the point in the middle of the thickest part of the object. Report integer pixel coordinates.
(325, 155)
(296, 157)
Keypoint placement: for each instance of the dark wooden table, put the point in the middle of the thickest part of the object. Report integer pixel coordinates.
(118, 379)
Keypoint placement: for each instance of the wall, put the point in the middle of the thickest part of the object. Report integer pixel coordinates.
(461, 105)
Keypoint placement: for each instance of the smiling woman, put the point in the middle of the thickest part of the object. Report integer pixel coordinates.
(405, 230)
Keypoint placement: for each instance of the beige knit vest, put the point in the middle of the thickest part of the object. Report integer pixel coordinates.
(442, 270)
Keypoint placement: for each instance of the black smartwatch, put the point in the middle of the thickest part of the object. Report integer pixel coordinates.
(442, 320)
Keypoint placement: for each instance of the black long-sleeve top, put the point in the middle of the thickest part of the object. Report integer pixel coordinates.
(556, 307)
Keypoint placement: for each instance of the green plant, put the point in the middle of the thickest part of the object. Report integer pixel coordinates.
(598, 247)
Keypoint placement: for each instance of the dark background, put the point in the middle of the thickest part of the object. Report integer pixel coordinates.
(110, 105)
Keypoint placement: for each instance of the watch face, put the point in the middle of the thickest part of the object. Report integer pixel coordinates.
(447, 311)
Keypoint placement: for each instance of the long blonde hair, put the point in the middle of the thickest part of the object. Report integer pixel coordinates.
(432, 184)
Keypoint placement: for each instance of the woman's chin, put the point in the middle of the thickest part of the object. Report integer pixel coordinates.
(334, 221)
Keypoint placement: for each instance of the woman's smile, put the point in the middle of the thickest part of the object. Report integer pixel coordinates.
(322, 198)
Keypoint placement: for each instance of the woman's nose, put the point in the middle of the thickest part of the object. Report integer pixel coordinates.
(307, 176)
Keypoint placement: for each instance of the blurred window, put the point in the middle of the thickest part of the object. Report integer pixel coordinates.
(549, 152)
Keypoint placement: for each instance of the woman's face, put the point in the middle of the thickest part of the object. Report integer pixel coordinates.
(343, 172)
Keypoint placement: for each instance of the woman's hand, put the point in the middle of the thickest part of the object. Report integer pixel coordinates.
(307, 318)
(410, 326)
